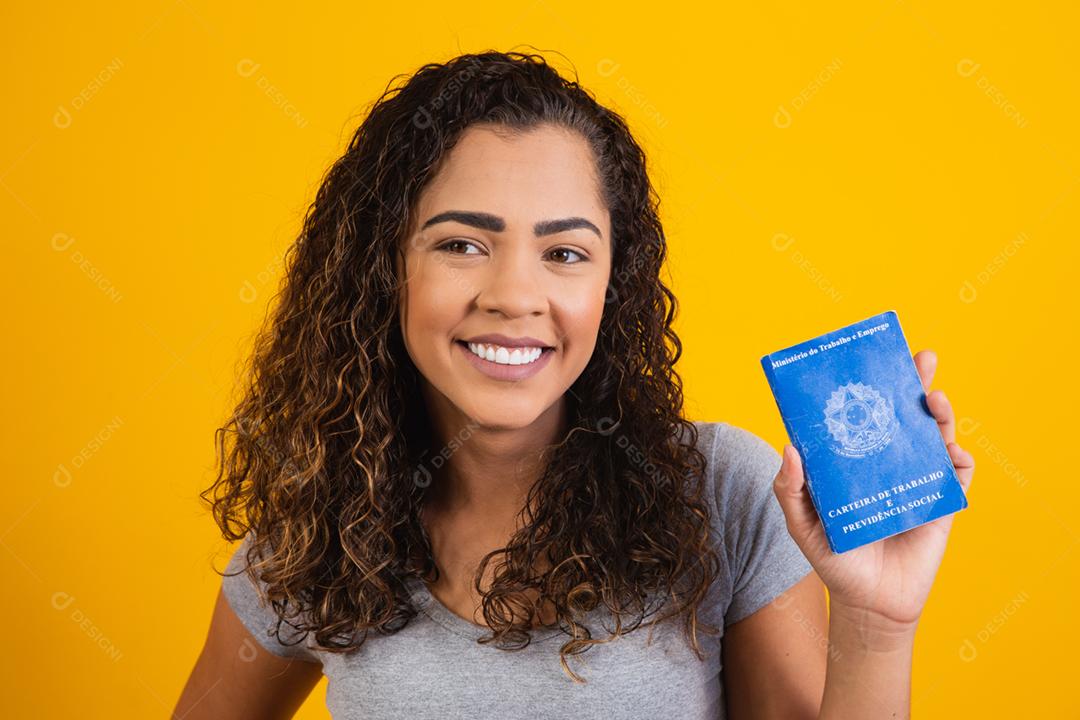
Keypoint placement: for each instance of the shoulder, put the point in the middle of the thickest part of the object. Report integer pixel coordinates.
(248, 599)
(749, 524)
(733, 445)
(737, 461)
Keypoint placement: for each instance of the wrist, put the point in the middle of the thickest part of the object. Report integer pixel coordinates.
(870, 629)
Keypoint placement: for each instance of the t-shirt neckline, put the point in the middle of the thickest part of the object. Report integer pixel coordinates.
(434, 609)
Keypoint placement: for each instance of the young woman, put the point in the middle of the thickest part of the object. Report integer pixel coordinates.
(460, 469)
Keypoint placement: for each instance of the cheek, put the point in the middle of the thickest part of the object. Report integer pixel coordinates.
(581, 310)
(432, 302)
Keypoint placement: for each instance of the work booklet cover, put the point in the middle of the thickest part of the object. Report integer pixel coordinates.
(854, 407)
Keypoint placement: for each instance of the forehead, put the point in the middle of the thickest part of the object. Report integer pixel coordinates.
(544, 172)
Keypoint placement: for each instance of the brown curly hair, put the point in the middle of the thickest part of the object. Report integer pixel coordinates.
(319, 459)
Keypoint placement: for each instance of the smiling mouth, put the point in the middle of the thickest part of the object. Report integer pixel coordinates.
(509, 356)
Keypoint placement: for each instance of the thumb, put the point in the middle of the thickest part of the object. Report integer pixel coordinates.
(791, 492)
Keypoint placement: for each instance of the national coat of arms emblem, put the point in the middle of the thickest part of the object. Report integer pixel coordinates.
(860, 421)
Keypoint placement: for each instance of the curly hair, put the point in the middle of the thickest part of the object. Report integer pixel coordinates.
(319, 460)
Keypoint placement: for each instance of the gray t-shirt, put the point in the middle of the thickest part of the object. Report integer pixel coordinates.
(434, 668)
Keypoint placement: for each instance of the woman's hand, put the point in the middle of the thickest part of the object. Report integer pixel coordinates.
(887, 581)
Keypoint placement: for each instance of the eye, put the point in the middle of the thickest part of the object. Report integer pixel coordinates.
(456, 242)
(572, 252)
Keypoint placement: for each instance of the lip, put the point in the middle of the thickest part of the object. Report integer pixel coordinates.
(505, 341)
(511, 373)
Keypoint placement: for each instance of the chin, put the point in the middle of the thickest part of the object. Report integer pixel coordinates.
(503, 418)
(508, 409)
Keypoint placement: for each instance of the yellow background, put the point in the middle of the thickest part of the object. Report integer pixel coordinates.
(817, 165)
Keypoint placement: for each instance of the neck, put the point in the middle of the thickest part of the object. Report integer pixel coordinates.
(487, 471)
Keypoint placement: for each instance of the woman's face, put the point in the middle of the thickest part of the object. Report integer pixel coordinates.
(510, 255)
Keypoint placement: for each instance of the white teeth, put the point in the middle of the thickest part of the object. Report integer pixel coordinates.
(505, 356)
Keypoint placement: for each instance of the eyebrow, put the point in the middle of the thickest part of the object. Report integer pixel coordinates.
(494, 223)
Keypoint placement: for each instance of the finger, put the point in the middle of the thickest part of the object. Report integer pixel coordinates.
(941, 409)
(964, 462)
(790, 488)
(926, 364)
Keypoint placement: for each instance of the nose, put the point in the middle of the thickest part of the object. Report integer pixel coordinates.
(513, 284)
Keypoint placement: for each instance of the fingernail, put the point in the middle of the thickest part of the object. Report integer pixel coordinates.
(784, 463)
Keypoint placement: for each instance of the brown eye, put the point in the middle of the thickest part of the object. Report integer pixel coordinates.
(456, 243)
(572, 252)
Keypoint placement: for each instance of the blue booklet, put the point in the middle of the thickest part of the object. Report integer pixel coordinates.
(854, 407)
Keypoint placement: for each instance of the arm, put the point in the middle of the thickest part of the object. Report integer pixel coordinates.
(235, 677)
(788, 661)
(869, 671)
(876, 591)
(774, 659)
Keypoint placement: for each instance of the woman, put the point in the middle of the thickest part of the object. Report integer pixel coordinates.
(461, 473)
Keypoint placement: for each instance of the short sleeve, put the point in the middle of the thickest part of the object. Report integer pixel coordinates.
(257, 615)
(763, 558)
